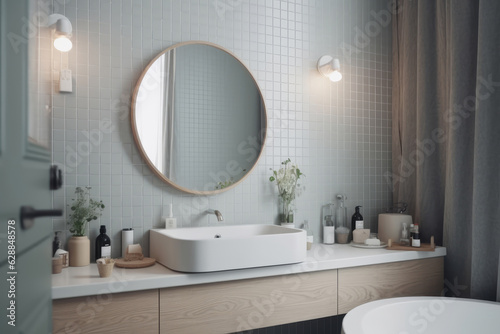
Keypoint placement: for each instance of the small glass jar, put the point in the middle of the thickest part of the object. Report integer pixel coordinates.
(342, 230)
(329, 231)
(310, 235)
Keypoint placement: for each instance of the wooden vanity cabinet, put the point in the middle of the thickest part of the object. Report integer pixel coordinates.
(359, 285)
(240, 305)
(234, 306)
(127, 312)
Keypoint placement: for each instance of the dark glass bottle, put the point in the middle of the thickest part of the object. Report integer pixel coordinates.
(102, 244)
(56, 244)
(357, 219)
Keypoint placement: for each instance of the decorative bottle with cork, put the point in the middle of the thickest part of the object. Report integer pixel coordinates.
(342, 231)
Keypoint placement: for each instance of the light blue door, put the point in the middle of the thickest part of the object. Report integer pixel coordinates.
(25, 252)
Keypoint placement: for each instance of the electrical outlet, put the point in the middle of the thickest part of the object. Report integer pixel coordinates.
(65, 84)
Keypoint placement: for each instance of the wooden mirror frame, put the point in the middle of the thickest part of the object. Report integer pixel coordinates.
(262, 135)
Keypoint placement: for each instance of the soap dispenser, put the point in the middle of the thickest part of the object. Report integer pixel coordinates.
(170, 221)
(56, 244)
(404, 241)
(357, 219)
(102, 244)
(58, 251)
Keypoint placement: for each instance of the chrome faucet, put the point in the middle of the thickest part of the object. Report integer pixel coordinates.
(216, 213)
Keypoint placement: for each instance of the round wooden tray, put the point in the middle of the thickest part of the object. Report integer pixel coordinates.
(145, 262)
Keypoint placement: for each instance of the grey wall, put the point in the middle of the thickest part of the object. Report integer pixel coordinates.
(338, 133)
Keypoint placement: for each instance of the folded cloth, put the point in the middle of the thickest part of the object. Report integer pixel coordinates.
(372, 242)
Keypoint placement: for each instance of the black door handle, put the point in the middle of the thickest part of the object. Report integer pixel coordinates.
(28, 214)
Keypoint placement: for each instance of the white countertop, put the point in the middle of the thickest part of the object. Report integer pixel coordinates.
(85, 281)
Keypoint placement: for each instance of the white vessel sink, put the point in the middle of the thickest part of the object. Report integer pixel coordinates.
(205, 249)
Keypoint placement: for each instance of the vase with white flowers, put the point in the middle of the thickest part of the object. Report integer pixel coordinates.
(287, 178)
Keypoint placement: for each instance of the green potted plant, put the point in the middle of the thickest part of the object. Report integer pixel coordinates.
(287, 178)
(83, 210)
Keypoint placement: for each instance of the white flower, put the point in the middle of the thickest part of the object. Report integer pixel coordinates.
(286, 179)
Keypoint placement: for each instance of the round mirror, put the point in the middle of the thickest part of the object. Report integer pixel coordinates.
(198, 118)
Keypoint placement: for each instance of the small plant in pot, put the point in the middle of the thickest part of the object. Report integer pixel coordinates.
(83, 210)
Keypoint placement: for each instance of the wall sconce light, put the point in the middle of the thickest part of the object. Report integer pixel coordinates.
(63, 31)
(330, 68)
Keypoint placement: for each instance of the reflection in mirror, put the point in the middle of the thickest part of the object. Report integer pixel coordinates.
(40, 88)
(199, 118)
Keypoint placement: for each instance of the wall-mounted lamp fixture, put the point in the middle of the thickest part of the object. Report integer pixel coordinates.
(330, 68)
(63, 31)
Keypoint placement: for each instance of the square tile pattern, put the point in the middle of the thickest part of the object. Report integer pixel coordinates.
(338, 133)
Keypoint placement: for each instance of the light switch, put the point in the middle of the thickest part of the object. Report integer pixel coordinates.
(65, 84)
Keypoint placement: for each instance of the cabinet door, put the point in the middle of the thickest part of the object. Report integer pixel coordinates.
(128, 312)
(248, 304)
(360, 285)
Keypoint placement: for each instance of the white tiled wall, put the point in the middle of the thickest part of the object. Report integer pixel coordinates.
(338, 133)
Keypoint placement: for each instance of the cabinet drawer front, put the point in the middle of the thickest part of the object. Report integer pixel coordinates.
(248, 304)
(360, 285)
(128, 312)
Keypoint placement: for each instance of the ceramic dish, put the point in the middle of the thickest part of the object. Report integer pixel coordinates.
(382, 245)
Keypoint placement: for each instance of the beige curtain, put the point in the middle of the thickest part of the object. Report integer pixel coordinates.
(446, 133)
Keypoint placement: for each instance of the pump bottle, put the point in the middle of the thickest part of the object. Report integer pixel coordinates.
(170, 221)
(357, 219)
(102, 244)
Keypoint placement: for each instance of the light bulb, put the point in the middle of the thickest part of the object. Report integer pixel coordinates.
(63, 44)
(63, 28)
(335, 76)
(330, 68)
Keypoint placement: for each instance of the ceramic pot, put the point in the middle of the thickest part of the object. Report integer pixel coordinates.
(79, 251)
(105, 267)
(292, 225)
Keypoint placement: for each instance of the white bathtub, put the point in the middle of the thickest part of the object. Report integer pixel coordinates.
(427, 315)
